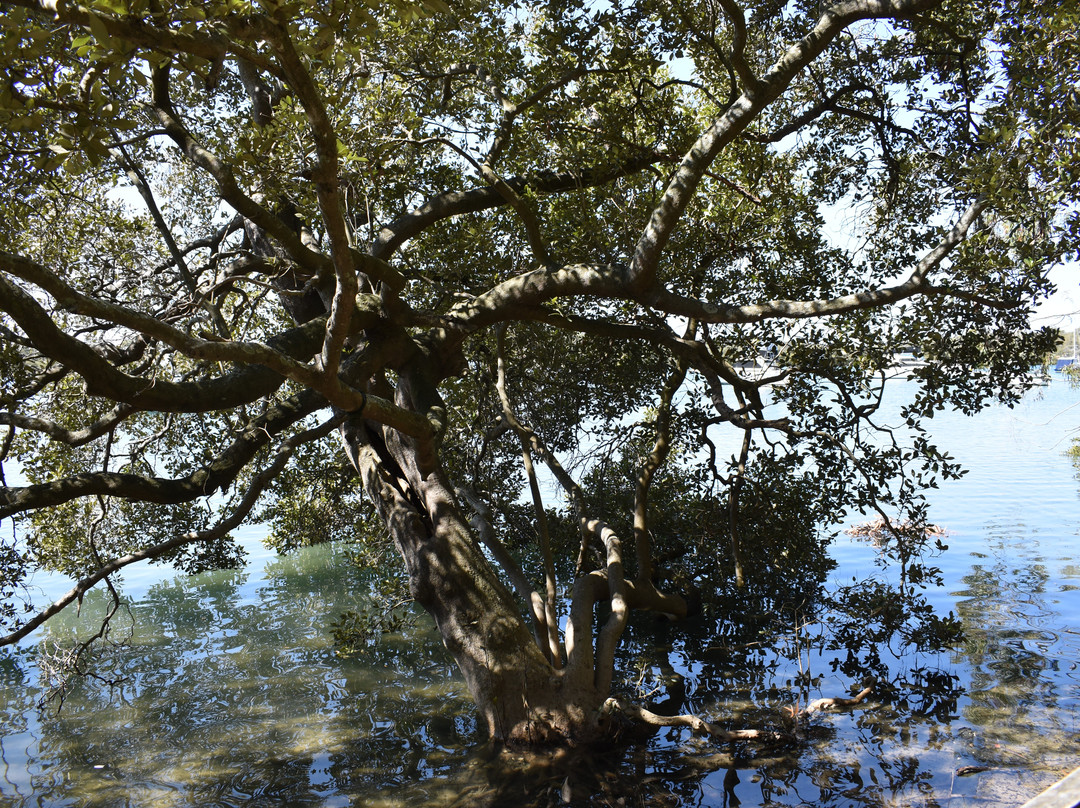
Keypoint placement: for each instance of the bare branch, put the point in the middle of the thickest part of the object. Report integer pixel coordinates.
(71, 437)
(693, 722)
(552, 649)
(135, 174)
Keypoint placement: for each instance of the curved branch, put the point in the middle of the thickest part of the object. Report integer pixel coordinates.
(138, 179)
(512, 111)
(455, 203)
(830, 104)
(680, 191)
(72, 352)
(915, 284)
(481, 523)
(218, 474)
(37, 323)
(242, 386)
(524, 211)
(71, 437)
(738, 45)
(693, 722)
(523, 293)
(213, 47)
(505, 191)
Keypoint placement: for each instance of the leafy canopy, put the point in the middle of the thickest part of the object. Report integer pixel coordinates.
(224, 225)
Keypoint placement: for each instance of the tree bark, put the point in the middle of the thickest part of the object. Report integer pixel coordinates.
(520, 697)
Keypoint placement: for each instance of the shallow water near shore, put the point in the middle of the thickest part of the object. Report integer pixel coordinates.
(229, 692)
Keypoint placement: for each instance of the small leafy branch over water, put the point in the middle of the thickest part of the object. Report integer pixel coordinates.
(899, 613)
(388, 603)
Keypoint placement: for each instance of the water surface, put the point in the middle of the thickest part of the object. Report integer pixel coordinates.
(228, 690)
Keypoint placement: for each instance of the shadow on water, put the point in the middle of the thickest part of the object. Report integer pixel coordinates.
(230, 693)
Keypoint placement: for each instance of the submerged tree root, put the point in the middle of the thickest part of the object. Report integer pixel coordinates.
(697, 724)
(823, 705)
(642, 716)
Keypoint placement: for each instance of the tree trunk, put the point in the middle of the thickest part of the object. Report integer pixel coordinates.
(520, 696)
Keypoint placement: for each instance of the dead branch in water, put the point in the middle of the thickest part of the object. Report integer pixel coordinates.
(695, 723)
(699, 725)
(824, 705)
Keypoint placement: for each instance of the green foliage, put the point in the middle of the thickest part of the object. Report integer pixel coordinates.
(314, 502)
(387, 608)
(14, 567)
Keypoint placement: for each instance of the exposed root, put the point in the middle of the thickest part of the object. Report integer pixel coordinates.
(824, 705)
(699, 725)
(695, 723)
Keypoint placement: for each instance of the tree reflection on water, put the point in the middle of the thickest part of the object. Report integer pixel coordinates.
(1023, 661)
(231, 693)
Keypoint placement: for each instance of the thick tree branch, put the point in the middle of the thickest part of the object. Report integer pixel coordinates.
(641, 274)
(245, 353)
(521, 207)
(216, 475)
(521, 295)
(227, 185)
(327, 189)
(104, 379)
(206, 44)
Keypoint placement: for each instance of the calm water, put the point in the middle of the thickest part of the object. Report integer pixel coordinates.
(228, 691)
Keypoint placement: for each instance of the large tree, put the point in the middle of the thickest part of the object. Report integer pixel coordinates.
(409, 249)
